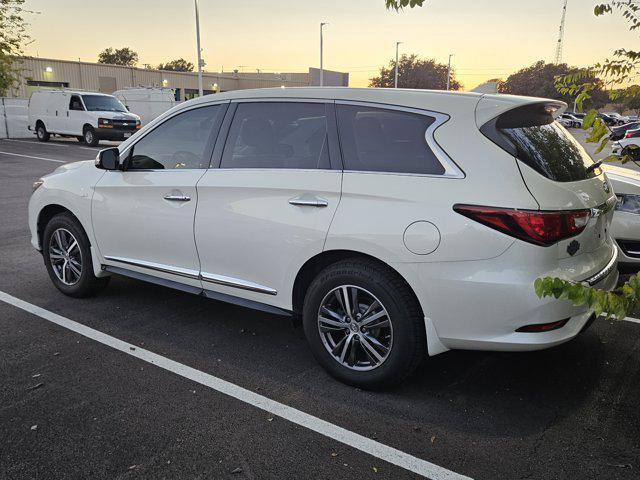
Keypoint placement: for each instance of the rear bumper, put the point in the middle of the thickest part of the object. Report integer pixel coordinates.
(479, 305)
(113, 133)
(625, 228)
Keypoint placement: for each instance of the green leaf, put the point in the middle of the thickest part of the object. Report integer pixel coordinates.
(603, 144)
(588, 120)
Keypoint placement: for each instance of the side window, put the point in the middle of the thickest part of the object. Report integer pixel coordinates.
(75, 103)
(179, 142)
(278, 135)
(382, 140)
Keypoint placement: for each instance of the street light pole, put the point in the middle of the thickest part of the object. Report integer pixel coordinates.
(322, 24)
(395, 81)
(449, 72)
(200, 63)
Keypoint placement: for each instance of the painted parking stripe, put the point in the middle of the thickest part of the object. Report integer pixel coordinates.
(631, 319)
(334, 432)
(31, 156)
(48, 144)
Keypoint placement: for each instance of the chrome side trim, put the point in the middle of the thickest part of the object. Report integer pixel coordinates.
(606, 270)
(236, 283)
(158, 267)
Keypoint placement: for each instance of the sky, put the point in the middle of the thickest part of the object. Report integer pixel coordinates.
(489, 38)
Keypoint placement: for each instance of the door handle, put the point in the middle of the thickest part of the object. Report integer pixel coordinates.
(178, 198)
(309, 202)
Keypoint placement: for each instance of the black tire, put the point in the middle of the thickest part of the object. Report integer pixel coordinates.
(87, 283)
(408, 347)
(89, 136)
(41, 132)
(80, 139)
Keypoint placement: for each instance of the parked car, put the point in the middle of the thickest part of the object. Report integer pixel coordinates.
(570, 121)
(609, 121)
(619, 119)
(618, 133)
(393, 223)
(625, 227)
(87, 116)
(631, 137)
(147, 102)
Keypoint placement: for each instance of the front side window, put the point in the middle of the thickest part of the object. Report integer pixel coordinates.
(278, 135)
(103, 103)
(75, 103)
(179, 142)
(383, 140)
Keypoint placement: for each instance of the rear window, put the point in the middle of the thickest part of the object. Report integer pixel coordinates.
(531, 134)
(384, 140)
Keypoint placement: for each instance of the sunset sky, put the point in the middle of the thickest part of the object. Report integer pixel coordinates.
(489, 38)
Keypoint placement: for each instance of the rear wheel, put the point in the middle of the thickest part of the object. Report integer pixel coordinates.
(67, 256)
(363, 323)
(90, 136)
(42, 133)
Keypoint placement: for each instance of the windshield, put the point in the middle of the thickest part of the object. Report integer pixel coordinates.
(102, 103)
(552, 151)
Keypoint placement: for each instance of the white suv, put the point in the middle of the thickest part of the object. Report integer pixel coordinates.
(395, 223)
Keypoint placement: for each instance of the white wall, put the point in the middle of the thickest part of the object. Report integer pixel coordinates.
(14, 118)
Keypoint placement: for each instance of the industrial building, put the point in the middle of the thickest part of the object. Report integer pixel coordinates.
(39, 73)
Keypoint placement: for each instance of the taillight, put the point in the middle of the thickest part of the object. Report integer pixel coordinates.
(632, 133)
(534, 226)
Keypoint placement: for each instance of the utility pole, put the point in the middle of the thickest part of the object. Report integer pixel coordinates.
(449, 72)
(395, 79)
(322, 24)
(561, 34)
(200, 62)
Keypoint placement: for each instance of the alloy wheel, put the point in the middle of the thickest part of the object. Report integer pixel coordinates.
(355, 328)
(65, 256)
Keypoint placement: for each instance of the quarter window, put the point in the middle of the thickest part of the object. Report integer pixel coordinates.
(384, 140)
(277, 135)
(180, 142)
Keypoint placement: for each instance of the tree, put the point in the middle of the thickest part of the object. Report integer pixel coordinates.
(539, 80)
(12, 37)
(178, 65)
(120, 56)
(414, 72)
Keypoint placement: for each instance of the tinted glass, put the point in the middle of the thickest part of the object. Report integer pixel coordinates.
(102, 103)
(277, 135)
(75, 103)
(552, 151)
(381, 140)
(179, 142)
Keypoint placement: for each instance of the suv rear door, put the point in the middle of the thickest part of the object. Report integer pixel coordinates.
(266, 205)
(559, 173)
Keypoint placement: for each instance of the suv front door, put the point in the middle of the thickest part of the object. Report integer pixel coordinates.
(268, 206)
(143, 216)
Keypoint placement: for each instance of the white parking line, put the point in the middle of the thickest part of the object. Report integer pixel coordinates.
(48, 144)
(631, 319)
(31, 156)
(89, 148)
(334, 432)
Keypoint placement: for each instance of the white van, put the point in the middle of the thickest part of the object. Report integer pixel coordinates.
(147, 102)
(88, 116)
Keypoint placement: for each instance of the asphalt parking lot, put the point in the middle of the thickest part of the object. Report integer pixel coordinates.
(79, 404)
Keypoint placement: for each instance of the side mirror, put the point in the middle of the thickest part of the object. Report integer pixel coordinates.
(108, 159)
(127, 107)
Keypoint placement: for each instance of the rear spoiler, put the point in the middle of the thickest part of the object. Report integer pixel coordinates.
(526, 114)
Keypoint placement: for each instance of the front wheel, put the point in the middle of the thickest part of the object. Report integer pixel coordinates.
(67, 256)
(90, 137)
(364, 324)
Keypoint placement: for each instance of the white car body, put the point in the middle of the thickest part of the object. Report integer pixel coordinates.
(619, 145)
(625, 226)
(147, 102)
(55, 110)
(255, 229)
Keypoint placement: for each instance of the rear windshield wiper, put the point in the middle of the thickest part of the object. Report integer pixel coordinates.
(591, 168)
